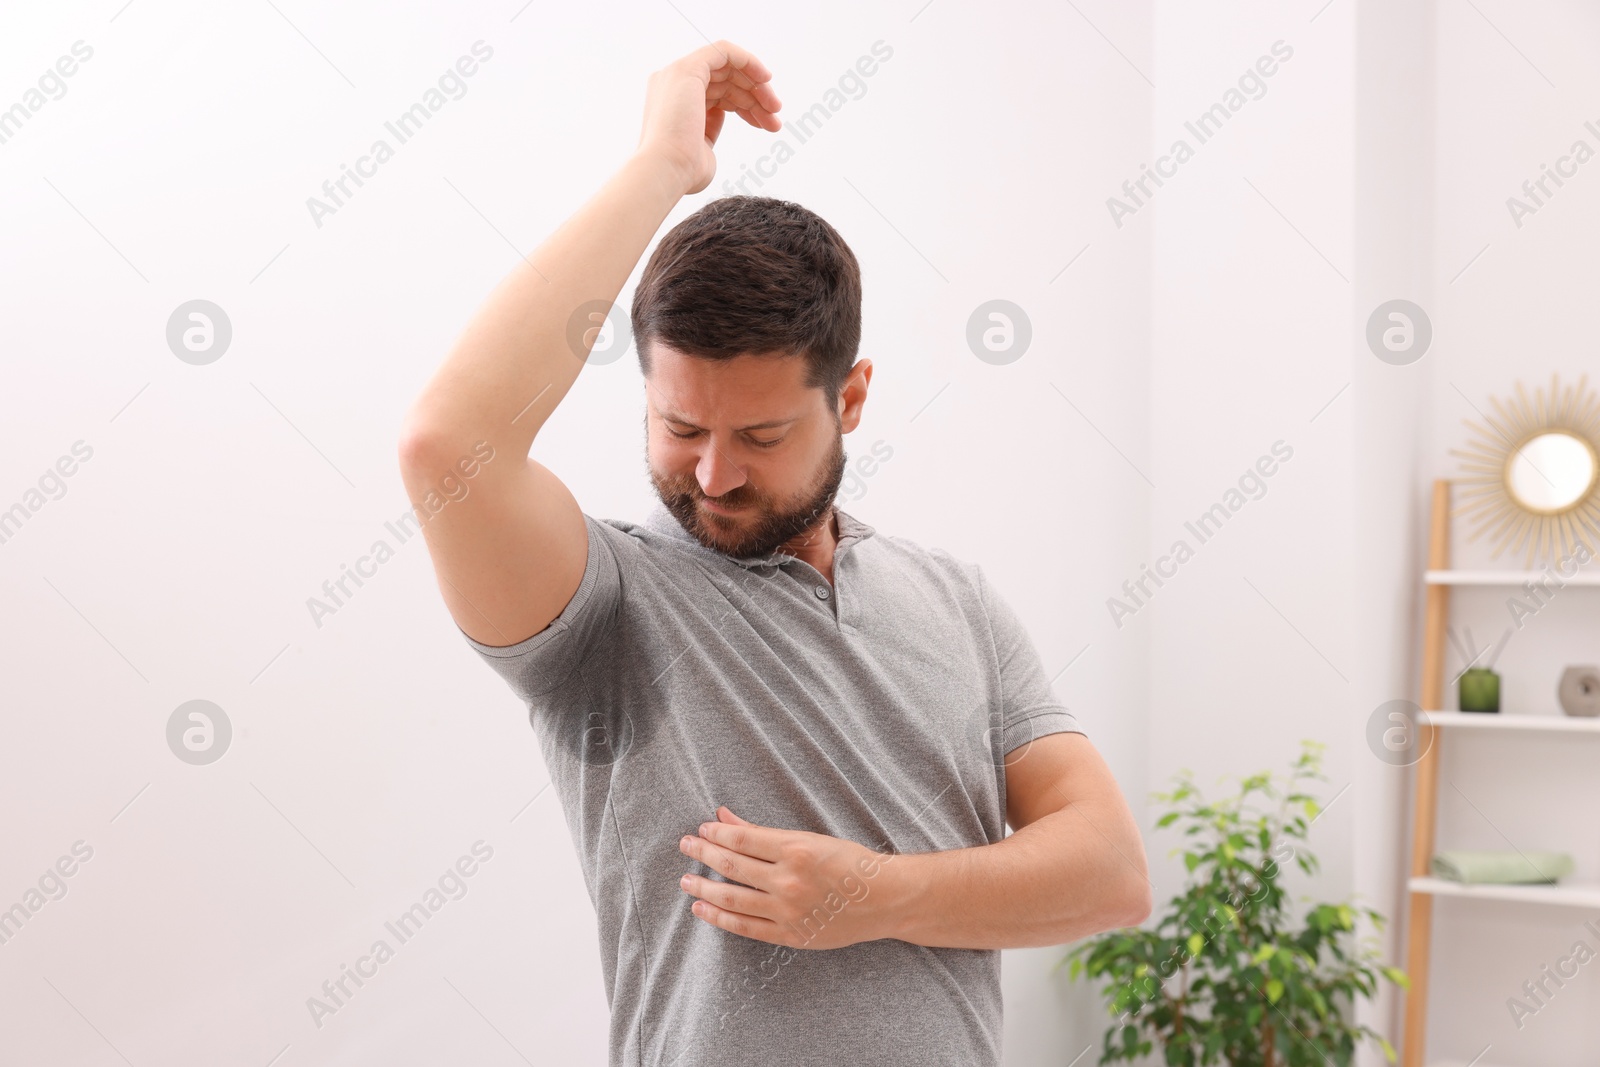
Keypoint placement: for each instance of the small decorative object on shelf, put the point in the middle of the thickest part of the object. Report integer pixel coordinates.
(1502, 867)
(1480, 689)
(1579, 691)
(1479, 686)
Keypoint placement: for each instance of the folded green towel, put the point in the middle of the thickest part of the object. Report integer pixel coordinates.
(1507, 867)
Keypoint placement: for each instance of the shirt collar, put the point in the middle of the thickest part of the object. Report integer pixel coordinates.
(662, 521)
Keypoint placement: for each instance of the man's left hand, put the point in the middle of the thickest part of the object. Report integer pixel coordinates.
(789, 887)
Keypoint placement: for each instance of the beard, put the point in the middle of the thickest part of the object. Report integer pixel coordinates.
(764, 524)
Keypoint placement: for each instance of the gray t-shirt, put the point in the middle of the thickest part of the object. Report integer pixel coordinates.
(876, 710)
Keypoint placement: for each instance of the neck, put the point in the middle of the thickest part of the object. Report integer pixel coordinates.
(816, 545)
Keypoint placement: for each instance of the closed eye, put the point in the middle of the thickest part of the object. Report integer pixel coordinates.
(775, 442)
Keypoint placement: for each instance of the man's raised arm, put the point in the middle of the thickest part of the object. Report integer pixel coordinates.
(510, 553)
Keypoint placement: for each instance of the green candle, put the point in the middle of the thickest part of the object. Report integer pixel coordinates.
(1480, 690)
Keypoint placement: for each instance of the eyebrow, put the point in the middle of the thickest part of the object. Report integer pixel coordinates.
(769, 425)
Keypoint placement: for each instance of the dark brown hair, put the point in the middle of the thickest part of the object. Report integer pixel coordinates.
(753, 274)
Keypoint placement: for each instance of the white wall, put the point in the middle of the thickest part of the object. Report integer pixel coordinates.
(373, 750)
(1393, 159)
(1252, 642)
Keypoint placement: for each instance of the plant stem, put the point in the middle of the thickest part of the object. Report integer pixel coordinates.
(1183, 996)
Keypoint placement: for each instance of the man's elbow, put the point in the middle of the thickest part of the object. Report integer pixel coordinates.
(1130, 901)
(1137, 902)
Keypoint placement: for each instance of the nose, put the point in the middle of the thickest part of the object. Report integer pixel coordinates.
(716, 472)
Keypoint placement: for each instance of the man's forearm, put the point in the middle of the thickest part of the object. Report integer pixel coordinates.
(1064, 876)
(513, 363)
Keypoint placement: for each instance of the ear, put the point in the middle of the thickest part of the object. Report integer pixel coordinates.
(853, 395)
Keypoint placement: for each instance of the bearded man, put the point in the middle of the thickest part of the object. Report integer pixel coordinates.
(788, 747)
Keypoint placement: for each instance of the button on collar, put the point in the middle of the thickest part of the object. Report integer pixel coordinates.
(822, 592)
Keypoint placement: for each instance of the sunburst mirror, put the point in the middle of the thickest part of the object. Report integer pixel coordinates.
(1532, 475)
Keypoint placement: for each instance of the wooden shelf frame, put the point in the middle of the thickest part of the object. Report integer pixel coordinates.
(1425, 811)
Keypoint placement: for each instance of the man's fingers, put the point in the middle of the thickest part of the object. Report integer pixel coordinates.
(751, 112)
(761, 120)
(714, 117)
(759, 96)
(739, 867)
(732, 97)
(748, 839)
(728, 897)
(733, 61)
(738, 81)
(750, 926)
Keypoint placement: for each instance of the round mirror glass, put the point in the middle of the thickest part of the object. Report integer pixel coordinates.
(1551, 471)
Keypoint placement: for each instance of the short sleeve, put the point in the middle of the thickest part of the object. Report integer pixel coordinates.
(543, 662)
(1029, 709)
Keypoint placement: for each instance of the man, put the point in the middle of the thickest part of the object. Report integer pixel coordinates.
(786, 746)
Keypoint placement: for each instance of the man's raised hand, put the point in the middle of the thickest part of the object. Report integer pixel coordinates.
(688, 99)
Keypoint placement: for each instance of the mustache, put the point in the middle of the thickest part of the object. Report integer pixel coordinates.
(739, 496)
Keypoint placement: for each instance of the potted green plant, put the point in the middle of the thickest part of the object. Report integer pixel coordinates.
(1226, 974)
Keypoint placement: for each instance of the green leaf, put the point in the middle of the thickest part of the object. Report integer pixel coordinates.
(1397, 976)
(1265, 952)
(1196, 943)
(1191, 860)
(1167, 820)
(1274, 990)
(1388, 1049)
(1311, 809)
